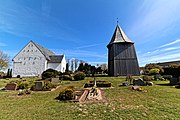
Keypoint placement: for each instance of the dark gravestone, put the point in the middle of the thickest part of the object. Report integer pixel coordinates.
(174, 81)
(11, 86)
(39, 85)
(139, 82)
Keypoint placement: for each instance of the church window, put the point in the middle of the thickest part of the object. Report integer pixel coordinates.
(31, 50)
(23, 50)
(24, 63)
(27, 50)
(33, 63)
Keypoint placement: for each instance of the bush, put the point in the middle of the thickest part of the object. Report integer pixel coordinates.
(66, 94)
(154, 71)
(49, 73)
(18, 76)
(147, 78)
(66, 77)
(158, 77)
(23, 85)
(79, 76)
(48, 85)
(168, 77)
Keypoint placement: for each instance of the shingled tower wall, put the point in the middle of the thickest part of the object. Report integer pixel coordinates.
(122, 59)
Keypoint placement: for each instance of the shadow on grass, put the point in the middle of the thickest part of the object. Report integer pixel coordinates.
(166, 84)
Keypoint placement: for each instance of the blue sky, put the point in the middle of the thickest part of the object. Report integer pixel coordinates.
(82, 28)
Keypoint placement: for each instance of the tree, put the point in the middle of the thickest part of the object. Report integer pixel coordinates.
(81, 67)
(4, 60)
(150, 66)
(67, 67)
(154, 71)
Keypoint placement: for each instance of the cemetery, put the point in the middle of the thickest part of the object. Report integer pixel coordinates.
(121, 93)
(91, 102)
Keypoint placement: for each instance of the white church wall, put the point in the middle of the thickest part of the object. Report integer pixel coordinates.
(63, 64)
(29, 62)
(55, 66)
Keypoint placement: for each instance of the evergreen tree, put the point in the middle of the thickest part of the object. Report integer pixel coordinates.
(8, 73)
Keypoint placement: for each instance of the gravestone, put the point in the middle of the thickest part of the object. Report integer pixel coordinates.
(39, 85)
(55, 80)
(174, 81)
(139, 82)
(149, 83)
(11, 86)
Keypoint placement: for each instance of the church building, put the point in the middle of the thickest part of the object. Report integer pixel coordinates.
(122, 59)
(33, 59)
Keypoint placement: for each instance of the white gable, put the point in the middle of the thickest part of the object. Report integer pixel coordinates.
(29, 61)
(33, 59)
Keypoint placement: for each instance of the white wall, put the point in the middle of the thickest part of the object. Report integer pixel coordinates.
(58, 66)
(63, 64)
(29, 62)
(55, 66)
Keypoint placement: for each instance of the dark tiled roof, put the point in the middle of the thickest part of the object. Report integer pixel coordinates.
(47, 53)
(56, 58)
(119, 36)
(169, 63)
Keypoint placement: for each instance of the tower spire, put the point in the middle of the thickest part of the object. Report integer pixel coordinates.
(117, 21)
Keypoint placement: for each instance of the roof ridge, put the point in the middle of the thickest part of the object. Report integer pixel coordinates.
(119, 36)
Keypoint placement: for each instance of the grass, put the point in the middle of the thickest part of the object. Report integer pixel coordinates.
(160, 102)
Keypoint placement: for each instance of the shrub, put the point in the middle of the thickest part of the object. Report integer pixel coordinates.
(168, 77)
(79, 76)
(154, 71)
(147, 78)
(158, 77)
(66, 94)
(66, 77)
(18, 76)
(49, 73)
(23, 85)
(48, 85)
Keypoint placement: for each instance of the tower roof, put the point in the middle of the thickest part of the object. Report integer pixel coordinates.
(119, 36)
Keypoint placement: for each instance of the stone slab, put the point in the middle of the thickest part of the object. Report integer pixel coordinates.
(39, 85)
(11, 86)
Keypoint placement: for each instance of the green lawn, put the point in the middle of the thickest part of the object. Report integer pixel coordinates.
(160, 102)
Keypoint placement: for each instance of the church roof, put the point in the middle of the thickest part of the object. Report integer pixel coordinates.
(119, 36)
(56, 58)
(47, 53)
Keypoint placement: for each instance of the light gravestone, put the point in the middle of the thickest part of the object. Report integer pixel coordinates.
(11, 86)
(54, 80)
(39, 85)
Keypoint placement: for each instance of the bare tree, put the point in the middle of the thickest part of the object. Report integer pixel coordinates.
(4, 60)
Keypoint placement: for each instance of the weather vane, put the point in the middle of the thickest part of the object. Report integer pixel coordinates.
(117, 20)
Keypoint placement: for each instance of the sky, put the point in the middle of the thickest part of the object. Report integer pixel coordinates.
(82, 29)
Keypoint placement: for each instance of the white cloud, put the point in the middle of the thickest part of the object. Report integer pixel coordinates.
(87, 46)
(171, 43)
(160, 55)
(155, 19)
